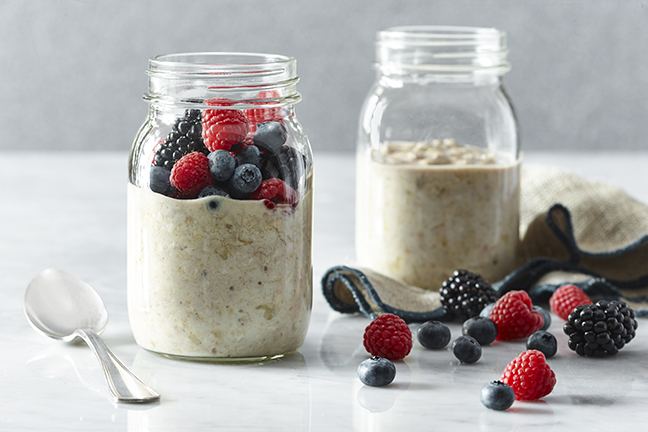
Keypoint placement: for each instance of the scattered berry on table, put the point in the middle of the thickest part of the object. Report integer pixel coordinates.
(543, 341)
(497, 395)
(275, 190)
(212, 190)
(270, 136)
(376, 372)
(221, 165)
(433, 335)
(223, 128)
(465, 294)
(601, 329)
(249, 154)
(530, 376)
(566, 298)
(466, 349)
(160, 181)
(545, 314)
(185, 137)
(388, 336)
(487, 310)
(483, 330)
(190, 174)
(246, 179)
(514, 315)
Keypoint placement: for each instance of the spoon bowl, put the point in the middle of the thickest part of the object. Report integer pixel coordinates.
(61, 306)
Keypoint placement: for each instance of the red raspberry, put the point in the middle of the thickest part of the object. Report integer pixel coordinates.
(566, 298)
(256, 116)
(223, 128)
(275, 190)
(514, 315)
(388, 336)
(530, 376)
(190, 174)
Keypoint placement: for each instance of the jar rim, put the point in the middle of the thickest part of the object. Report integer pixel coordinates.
(208, 63)
(439, 35)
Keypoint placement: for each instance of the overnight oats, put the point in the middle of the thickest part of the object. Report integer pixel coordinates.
(220, 211)
(425, 209)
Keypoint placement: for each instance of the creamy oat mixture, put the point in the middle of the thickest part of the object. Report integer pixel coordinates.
(216, 277)
(427, 209)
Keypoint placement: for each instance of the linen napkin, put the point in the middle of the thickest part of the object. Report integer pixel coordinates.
(572, 230)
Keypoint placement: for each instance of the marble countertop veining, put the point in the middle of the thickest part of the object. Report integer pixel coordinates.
(67, 210)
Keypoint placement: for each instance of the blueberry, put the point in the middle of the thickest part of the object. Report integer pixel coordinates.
(497, 395)
(159, 181)
(487, 310)
(221, 165)
(246, 179)
(376, 372)
(484, 330)
(543, 341)
(249, 154)
(546, 315)
(433, 335)
(270, 136)
(466, 349)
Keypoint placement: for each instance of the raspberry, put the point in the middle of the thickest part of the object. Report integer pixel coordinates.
(191, 174)
(566, 298)
(256, 116)
(388, 336)
(275, 190)
(530, 376)
(465, 294)
(514, 315)
(223, 128)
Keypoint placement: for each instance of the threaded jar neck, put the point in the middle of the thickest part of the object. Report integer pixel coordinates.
(442, 51)
(239, 79)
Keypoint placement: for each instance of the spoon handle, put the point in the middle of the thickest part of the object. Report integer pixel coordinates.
(124, 385)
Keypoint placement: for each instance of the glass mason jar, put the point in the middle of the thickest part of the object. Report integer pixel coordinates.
(438, 159)
(220, 208)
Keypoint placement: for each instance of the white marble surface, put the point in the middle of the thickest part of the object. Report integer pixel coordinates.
(68, 211)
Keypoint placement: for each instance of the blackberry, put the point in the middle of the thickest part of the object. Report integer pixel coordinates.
(601, 329)
(287, 164)
(465, 294)
(185, 137)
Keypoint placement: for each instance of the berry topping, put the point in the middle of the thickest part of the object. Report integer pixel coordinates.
(276, 191)
(260, 115)
(223, 128)
(465, 294)
(246, 179)
(185, 137)
(213, 191)
(160, 181)
(543, 341)
(601, 329)
(530, 376)
(433, 335)
(514, 315)
(566, 298)
(483, 330)
(545, 314)
(466, 349)
(388, 336)
(497, 396)
(249, 154)
(190, 174)
(221, 165)
(270, 136)
(288, 164)
(376, 372)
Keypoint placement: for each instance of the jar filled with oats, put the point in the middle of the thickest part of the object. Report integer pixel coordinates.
(220, 210)
(438, 162)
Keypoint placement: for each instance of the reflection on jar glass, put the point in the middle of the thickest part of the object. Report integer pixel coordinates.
(220, 210)
(438, 158)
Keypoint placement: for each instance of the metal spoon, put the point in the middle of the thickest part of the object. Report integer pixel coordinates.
(61, 306)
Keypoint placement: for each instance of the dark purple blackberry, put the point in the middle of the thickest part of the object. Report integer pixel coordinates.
(185, 137)
(287, 164)
(601, 329)
(465, 294)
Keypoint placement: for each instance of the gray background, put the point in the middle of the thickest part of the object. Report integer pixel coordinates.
(73, 71)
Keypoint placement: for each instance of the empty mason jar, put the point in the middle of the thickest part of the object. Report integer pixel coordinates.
(438, 157)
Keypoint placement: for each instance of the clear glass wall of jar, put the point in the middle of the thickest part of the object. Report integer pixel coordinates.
(438, 158)
(220, 210)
